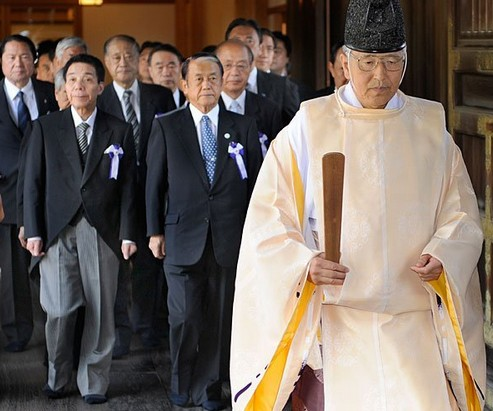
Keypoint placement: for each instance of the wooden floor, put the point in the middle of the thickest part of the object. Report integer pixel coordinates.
(139, 381)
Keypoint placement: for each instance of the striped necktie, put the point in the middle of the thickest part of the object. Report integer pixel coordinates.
(209, 147)
(23, 116)
(132, 117)
(81, 130)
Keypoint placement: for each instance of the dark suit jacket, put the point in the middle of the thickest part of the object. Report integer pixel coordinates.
(182, 100)
(11, 140)
(280, 90)
(57, 185)
(181, 205)
(154, 100)
(266, 113)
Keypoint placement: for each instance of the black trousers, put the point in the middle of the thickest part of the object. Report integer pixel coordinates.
(16, 304)
(200, 303)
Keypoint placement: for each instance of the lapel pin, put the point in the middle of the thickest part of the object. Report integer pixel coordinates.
(227, 135)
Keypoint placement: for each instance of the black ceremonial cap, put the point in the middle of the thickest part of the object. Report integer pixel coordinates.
(375, 26)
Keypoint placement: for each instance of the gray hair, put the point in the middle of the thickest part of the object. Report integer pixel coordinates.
(68, 42)
(59, 80)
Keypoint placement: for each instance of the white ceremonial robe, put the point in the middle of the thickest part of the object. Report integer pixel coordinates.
(388, 342)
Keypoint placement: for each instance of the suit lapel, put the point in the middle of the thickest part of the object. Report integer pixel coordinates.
(251, 105)
(68, 141)
(188, 136)
(99, 142)
(147, 112)
(41, 99)
(263, 85)
(114, 106)
(183, 99)
(226, 133)
(5, 108)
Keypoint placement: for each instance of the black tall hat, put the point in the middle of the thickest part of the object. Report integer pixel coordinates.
(375, 26)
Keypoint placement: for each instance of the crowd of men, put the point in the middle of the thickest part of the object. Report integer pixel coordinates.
(126, 205)
(86, 188)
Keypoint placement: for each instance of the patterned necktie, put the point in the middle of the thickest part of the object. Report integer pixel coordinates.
(23, 116)
(132, 117)
(81, 130)
(209, 147)
(235, 107)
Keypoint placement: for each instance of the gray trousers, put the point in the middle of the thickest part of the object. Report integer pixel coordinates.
(79, 269)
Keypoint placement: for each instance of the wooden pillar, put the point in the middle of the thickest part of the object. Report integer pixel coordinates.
(190, 25)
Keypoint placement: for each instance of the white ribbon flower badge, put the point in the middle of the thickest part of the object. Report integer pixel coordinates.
(236, 152)
(264, 140)
(115, 152)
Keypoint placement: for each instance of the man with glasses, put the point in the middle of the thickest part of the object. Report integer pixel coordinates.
(237, 60)
(279, 89)
(400, 312)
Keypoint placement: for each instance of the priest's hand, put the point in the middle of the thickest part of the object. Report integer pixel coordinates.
(428, 268)
(324, 272)
(157, 246)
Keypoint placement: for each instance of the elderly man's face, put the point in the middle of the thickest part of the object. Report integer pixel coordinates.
(122, 62)
(374, 87)
(203, 84)
(237, 67)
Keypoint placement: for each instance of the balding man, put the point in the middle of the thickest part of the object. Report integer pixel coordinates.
(279, 89)
(237, 60)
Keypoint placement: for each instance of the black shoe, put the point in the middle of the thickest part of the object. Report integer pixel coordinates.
(51, 394)
(120, 352)
(95, 398)
(15, 346)
(180, 400)
(213, 405)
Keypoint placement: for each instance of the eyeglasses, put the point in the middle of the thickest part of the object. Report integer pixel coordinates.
(370, 63)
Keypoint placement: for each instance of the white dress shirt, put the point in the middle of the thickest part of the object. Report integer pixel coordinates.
(241, 100)
(90, 122)
(29, 99)
(197, 116)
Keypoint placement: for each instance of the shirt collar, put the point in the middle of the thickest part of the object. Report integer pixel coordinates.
(197, 115)
(12, 90)
(228, 100)
(349, 96)
(77, 119)
(134, 88)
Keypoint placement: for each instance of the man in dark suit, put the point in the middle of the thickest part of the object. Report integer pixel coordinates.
(144, 102)
(79, 215)
(336, 70)
(237, 60)
(279, 89)
(202, 165)
(164, 66)
(22, 99)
